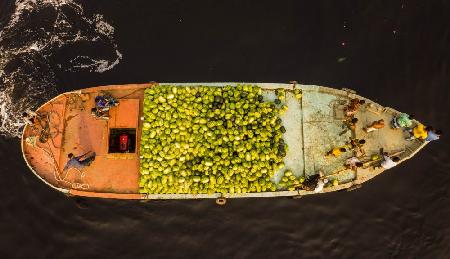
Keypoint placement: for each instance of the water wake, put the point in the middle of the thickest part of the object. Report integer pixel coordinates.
(40, 38)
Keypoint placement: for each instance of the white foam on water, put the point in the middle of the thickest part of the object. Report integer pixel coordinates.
(29, 48)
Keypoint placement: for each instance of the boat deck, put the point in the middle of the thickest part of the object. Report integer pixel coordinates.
(315, 126)
(80, 132)
(323, 110)
(110, 173)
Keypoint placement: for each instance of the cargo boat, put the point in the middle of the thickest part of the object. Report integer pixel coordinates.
(313, 125)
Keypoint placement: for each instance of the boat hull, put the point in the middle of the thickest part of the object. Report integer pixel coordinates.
(316, 125)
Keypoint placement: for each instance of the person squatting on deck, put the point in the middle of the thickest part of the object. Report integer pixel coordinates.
(336, 152)
(376, 125)
(389, 162)
(403, 121)
(419, 132)
(353, 163)
(356, 145)
(320, 184)
(79, 162)
(353, 107)
(315, 182)
(102, 105)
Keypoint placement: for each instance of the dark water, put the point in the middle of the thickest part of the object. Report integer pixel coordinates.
(394, 52)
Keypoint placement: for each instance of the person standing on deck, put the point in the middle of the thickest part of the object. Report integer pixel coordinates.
(79, 162)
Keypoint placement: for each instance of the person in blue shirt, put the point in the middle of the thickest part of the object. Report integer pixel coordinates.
(433, 135)
(105, 102)
(102, 105)
(79, 162)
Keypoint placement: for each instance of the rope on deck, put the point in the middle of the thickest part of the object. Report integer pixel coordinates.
(44, 121)
(44, 134)
(75, 102)
(57, 173)
(83, 186)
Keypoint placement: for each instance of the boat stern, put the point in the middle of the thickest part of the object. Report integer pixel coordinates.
(41, 142)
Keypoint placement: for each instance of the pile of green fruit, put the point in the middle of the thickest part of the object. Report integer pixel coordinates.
(290, 182)
(209, 140)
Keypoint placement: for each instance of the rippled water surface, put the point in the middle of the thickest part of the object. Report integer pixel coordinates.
(393, 52)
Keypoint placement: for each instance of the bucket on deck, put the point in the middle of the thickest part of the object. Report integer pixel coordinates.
(124, 142)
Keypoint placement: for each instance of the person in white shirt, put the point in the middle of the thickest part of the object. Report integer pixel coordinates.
(388, 162)
(320, 184)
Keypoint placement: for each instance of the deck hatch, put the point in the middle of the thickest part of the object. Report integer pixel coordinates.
(116, 138)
